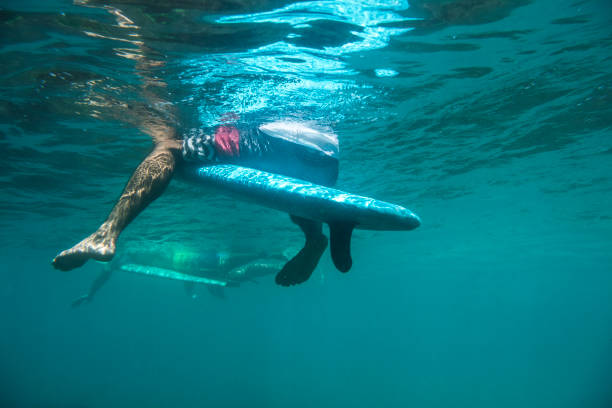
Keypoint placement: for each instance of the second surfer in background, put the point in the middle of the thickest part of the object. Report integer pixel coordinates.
(218, 267)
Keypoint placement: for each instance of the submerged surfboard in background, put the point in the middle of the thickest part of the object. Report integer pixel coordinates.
(308, 200)
(169, 274)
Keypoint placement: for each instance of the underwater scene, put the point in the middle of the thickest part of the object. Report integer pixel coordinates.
(130, 276)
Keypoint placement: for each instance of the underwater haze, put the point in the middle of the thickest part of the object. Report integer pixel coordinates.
(490, 119)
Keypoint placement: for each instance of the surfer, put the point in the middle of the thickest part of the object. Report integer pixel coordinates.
(231, 268)
(297, 149)
(294, 149)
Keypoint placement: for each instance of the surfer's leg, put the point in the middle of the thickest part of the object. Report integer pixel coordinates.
(189, 289)
(301, 266)
(95, 287)
(216, 290)
(155, 117)
(147, 183)
(237, 260)
(340, 244)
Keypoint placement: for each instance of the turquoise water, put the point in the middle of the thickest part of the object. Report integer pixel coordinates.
(491, 119)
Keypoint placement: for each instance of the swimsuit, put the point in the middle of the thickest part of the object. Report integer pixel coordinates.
(295, 149)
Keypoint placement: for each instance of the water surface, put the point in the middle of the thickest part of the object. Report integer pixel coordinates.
(489, 118)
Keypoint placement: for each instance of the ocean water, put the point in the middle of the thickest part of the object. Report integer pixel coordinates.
(491, 119)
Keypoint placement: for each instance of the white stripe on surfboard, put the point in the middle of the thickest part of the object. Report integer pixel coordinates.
(169, 274)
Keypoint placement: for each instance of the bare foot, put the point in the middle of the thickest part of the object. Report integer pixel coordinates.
(96, 246)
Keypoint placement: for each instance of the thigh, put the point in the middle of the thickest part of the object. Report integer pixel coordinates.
(296, 160)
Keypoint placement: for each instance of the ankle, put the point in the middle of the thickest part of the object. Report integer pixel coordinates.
(318, 241)
(108, 230)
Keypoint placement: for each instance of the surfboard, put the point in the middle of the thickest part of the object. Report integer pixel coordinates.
(306, 199)
(169, 274)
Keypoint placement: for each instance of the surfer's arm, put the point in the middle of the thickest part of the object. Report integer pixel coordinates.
(235, 261)
(96, 285)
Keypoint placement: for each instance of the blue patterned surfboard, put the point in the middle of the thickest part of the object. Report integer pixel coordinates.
(306, 199)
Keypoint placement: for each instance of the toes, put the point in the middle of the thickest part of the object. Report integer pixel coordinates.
(289, 275)
(282, 279)
(90, 248)
(68, 261)
(289, 279)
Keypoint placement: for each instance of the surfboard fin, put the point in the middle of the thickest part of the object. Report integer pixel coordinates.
(340, 244)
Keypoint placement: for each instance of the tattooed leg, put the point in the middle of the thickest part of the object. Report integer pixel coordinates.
(146, 184)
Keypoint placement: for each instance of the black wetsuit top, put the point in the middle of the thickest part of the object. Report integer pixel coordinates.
(251, 147)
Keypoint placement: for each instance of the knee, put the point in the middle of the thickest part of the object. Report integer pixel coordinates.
(172, 145)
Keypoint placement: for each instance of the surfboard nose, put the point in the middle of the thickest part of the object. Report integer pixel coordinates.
(414, 222)
(308, 200)
(395, 217)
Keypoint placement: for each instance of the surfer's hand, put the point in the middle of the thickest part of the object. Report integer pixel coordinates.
(80, 300)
